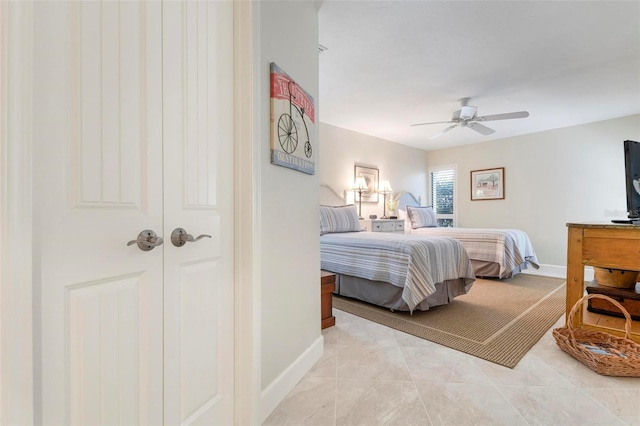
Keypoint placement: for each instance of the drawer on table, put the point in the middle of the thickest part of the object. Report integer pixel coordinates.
(612, 253)
(388, 226)
(376, 227)
(399, 226)
(327, 277)
(382, 227)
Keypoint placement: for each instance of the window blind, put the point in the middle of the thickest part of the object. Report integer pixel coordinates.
(442, 191)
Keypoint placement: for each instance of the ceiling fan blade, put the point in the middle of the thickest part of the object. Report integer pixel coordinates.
(505, 116)
(480, 128)
(440, 133)
(454, 119)
(434, 122)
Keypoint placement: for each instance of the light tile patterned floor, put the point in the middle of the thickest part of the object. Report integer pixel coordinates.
(370, 374)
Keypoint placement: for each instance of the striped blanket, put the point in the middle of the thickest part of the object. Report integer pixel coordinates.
(411, 262)
(506, 247)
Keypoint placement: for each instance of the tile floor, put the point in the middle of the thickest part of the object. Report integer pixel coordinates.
(370, 374)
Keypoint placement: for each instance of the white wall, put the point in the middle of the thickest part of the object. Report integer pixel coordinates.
(574, 174)
(291, 340)
(403, 166)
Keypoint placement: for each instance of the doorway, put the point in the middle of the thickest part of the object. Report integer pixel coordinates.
(133, 135)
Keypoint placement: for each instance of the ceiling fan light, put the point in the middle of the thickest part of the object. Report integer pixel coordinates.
(467, 112)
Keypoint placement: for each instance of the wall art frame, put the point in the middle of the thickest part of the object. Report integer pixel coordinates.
(292, 123)
(487, 184)
(371, 176)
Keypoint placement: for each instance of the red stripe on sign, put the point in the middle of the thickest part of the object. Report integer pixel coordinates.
(280, 85)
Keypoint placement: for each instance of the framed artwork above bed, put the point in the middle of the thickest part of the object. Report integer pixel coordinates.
(487, 184)
(370, 175)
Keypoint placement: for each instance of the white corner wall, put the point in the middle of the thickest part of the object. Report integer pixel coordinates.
(291, 341)
(573, 174)
(404, 167)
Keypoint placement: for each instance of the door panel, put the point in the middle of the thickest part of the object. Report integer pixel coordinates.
(104, 361)
(98, 184)
(198, 303)
(109, 87)
(198, 157)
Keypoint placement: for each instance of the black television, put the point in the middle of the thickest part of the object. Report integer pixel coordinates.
(632, 174)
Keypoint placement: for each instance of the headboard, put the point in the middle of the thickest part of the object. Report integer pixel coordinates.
(406, 198)
(330, 197)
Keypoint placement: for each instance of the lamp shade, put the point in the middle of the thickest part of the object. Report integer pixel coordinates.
(360, 184)
(385, 187)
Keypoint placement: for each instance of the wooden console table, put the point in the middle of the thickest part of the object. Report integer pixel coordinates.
(603, 245)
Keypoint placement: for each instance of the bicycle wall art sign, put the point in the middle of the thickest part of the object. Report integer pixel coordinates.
(292, 123)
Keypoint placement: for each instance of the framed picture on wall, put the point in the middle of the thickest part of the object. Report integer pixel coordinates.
(370, 175)
(292, 123)
(487, 184)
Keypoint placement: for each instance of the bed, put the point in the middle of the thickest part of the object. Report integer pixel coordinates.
(396, 271)
(497, 253)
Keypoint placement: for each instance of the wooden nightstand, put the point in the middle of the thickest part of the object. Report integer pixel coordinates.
(383, 225)
(327, 285)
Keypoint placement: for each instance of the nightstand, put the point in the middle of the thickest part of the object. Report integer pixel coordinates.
(383, 225)
(327, 286)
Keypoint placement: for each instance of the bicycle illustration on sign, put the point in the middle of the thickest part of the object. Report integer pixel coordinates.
(288, 131)
(292, 122)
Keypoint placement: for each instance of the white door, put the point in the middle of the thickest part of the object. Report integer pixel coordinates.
(198, 176)
(129, 336)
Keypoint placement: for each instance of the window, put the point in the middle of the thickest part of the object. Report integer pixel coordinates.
(442, 193)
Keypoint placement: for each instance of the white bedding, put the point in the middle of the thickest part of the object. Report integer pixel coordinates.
(509, 248)
(411, 262)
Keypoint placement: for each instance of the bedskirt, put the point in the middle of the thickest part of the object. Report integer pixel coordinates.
(485, 269)
(390, 296)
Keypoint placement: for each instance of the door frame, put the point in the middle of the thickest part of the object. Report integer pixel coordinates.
(16, 236)
(18, 246)
(247, 260)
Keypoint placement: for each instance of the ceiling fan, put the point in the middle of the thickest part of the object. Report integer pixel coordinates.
(467, 116)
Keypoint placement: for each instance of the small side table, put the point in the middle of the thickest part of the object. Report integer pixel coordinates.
(383, 225)
(327, 285)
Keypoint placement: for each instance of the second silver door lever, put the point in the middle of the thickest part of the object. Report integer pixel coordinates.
(179, 237)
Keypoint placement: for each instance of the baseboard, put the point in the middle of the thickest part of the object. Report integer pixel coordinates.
(557, 271)
(280, 387)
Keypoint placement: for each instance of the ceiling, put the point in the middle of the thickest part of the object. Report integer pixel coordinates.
(390, 64)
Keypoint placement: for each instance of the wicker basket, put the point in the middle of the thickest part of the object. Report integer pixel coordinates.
(602, 352)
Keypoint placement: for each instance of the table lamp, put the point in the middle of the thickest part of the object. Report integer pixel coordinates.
(385, 188)
(360, 185)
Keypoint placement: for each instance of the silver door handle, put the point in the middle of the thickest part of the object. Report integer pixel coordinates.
(147, 240)
(179, 237)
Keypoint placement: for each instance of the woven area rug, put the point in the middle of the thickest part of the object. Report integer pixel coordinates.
(498, 320)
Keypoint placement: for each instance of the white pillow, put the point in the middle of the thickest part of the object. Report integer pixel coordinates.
(422, 217)
(402, 214)
(339, 219)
